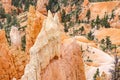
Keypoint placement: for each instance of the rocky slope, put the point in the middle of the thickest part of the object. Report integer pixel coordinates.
(49, 55)
(53, 54)
(99, 8)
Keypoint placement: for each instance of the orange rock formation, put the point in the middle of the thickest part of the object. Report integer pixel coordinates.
(53, 59)
(12, 61)
(7, 5)
(98, 8)
(34, 24)
(41, 6)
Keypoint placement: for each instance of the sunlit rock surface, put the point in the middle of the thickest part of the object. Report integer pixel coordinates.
(99, 8)
(41, 6)
(34, 24)
(12, 61)
(53, 55)
(52, 60)
(7, 5)
(86, 3)
(15, 37)
(99, 60)
(113, 33)
(7, 70)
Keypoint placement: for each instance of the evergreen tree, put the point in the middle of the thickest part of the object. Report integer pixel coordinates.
(108, 42)
(63, 15)
(65, 27)
(2, 12)
(90, 36)
(104, 22)
(97, 74)
(81, 30)
(53, 6)
(102, 41)
(26, 5)
(8, 17)
(112, 15)
(97, 22)
(92, 24)
(88, 15)
(1, 25)
(23, 40)
(116, 71)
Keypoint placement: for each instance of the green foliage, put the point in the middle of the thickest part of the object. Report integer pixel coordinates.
(101, 22)
(97, 74)
(88, 15)
(65, 27)
(106, 44)
(71, 18)
(53, 6)
(90, 36)
(11, 20)
(88, 59)
(27, 3)
(1, 25)
(97, 22)
(81, 30)
(116, 72)
(64, 2)
(2, 12)
(8, 17)
(23, 39)
(104, 22)
(92, 24)
(63, 15)
(102, 41)
(15, 3)
(23, 43)
(103, 47)
(112, 15)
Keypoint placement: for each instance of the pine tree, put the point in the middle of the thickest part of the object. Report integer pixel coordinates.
(97, 74)
(112, 15)
(26, 5)
(108, 43)
(65, 27)
(1, 25)
(81, 30)
(88, 15)
(97, 22)
(53, 6)
(63, 15)
(2, 12)
(90, 36)
(102, 41)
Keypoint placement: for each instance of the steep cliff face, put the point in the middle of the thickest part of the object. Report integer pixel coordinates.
(7, 70)
(51, 55)
(34, 24)
(12, 61)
